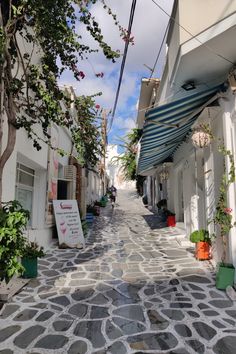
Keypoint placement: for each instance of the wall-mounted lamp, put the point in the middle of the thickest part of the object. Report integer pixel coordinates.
(188, 86)
(232, 80)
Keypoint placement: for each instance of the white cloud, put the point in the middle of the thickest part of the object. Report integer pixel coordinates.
(148, 30)
(124, 123)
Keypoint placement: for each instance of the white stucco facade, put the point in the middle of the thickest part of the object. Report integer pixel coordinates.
(31, 187)
(114, 169)
(195, 174)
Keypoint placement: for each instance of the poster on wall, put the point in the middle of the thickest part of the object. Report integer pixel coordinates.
(68, 223)
(52, 174)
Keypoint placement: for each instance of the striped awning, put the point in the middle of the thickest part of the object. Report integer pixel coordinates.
(167, 125)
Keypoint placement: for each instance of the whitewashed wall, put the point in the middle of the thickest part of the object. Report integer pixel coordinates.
(209, 163)
(93, 187)
(27, 155)
(229, 129)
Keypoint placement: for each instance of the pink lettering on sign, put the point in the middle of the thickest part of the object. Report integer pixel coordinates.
(65, 206)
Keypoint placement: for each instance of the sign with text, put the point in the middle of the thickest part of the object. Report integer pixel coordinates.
(68, 222)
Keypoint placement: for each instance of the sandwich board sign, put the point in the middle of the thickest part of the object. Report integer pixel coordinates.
(68, 223)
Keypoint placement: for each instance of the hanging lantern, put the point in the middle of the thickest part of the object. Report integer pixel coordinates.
(164, 175)
(201, 136)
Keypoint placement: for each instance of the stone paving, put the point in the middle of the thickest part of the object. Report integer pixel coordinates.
(133, 289)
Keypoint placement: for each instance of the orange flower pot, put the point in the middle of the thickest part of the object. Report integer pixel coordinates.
(202, 251)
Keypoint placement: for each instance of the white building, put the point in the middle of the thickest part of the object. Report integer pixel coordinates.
(193, 89)
(114, 169)
(36, 178)
(112, 164)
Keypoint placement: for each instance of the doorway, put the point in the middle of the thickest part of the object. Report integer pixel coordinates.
(62, 189)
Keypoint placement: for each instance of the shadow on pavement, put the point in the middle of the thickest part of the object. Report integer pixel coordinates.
(154, 221)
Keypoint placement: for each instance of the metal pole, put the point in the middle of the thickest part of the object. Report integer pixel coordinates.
(195, 165)
(104, 133)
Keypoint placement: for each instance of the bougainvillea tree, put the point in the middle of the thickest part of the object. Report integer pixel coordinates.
(38, 42)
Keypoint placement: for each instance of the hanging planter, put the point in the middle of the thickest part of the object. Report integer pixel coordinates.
(202, 136)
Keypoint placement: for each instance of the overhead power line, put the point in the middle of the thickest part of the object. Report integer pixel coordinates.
(132, 10)
(160, 49)
(193, 36)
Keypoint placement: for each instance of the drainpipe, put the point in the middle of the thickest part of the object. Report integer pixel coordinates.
(229, 137)
(195, 198)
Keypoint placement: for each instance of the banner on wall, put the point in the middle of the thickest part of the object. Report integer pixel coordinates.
(52, 174)
(68, 223)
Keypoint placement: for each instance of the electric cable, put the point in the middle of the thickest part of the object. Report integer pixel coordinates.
(132, 10)
(194, 37)
(160, 49)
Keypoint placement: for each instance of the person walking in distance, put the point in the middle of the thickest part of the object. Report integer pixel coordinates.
(113, 195)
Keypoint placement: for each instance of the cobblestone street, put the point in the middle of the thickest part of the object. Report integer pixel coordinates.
(132, 290)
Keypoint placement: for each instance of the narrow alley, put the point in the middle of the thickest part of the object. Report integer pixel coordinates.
(133, 289)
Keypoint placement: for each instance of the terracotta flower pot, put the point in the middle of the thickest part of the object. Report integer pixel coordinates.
(202, 250)
(97, 210)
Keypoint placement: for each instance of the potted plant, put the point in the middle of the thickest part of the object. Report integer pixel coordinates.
(223, 220)
(103, 201)
(89, 213)
(145, 200)
(84, 225)
(162, 206)
(202, 136)
(13, 221)
(170, 218)
(203, 242)
(30, 254)
(97, 208)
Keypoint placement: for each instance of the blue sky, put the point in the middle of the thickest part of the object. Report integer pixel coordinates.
(148, 29)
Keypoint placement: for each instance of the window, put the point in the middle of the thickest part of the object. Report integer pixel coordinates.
(25, 187)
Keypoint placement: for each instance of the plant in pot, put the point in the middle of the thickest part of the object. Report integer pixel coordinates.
(30, 254)
(84, 227)
(162, 206)
(13, 221)
(170, 218)
(203, 242)
(90, 213)
(97, 208)
(223, 221)
(202, 136)
(103, 201)
(90, 208)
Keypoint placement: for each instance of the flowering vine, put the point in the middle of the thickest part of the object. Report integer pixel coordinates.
(35, 36)
(223, 216)
(124, 33)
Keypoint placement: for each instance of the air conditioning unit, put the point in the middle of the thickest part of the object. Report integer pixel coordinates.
(70, 172)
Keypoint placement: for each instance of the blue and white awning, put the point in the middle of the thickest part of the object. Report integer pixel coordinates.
(167, 125)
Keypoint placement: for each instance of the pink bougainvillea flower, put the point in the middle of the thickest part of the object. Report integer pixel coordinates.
(78, 74)
(127, 37)
(82, 74)
(227, 210)
(100, 74)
